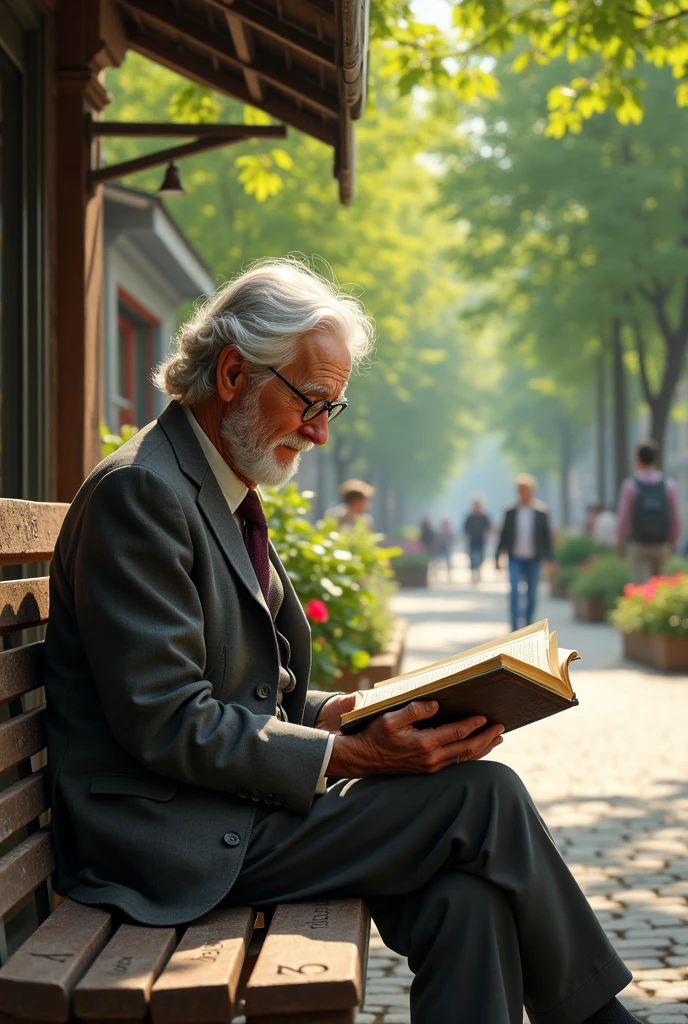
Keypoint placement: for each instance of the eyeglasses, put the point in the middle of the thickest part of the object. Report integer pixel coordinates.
(314, 409)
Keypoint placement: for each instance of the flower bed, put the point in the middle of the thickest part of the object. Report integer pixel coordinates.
(411, 565)
(570, 552)
(654, 620)
(343, 580)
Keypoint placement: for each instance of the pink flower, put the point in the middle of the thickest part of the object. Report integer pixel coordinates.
(317, 610)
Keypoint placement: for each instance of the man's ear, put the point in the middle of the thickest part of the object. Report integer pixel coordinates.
(230, 374)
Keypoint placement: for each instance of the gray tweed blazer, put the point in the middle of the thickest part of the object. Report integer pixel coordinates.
(161, 673)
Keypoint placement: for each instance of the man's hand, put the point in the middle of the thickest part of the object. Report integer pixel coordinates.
(330, 714)
(391, 745)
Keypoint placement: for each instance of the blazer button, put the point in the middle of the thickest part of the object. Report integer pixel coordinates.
(279, 800)
(243, 793)
(231, 839)
(263, 691)
(268, 798)
(256, 796)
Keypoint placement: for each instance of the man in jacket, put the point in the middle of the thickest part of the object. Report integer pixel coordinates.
(527, 539)
(189, 762)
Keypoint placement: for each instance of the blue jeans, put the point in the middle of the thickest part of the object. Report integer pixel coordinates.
(527, 569)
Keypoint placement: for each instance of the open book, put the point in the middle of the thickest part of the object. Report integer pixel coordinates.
(515, 680)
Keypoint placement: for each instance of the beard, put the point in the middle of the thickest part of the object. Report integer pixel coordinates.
(252, 454)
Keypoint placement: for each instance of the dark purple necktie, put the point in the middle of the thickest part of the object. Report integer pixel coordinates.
(256, 538)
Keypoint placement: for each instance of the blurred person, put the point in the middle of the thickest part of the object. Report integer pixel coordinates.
(445, 543)
(527, 539)
(592, 512)
(476, 528)
(354, 507)
(604, 532)
(649, 518)
(428, 536)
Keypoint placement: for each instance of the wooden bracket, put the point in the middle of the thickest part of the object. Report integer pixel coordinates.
(205, 137)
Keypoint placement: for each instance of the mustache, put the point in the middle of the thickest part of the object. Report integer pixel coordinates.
(300, 444)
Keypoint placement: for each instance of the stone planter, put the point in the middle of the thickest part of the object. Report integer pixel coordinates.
(666, 652)
(416, 576)
(590, 609)
(382, 666)
(557, 588)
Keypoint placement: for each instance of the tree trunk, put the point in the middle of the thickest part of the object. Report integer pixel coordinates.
(565, 471)
(619, 408)
(602, 425)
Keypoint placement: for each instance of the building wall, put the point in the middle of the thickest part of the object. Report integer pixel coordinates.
(125, 268)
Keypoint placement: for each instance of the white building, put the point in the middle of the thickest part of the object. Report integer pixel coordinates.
(150, 268)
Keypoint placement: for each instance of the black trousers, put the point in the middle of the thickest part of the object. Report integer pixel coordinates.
(462, 876)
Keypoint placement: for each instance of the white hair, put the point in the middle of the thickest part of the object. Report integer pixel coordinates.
(263, 312)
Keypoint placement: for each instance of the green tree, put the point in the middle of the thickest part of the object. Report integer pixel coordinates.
(414, 408)
(617, 41)
(585, 239)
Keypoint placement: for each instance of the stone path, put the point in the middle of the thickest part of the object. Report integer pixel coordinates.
(610, 778)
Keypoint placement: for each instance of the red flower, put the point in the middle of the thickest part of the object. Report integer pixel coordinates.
(317, 611)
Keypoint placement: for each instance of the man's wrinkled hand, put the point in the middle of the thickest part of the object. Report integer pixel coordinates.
(330, 714)
(391, 745)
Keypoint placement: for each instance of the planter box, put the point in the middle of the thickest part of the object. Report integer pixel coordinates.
(558, 589)
(382, 666)
(663, 651)
(412, 577)
(590, 609)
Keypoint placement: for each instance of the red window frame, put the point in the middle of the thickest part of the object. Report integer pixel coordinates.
(130, 326)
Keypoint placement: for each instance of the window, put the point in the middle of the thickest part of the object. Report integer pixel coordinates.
(137, 329)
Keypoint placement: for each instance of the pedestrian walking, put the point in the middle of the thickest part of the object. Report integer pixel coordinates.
(649, 517)
(476, 528)
(445, 543)
(428, 536)
(527, 539)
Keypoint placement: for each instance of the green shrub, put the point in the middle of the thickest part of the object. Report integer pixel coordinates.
(411, 561)
(660, 606)
(343, 580)
(574, 549)
(677, 563)
(111, 442)
(565, 574)
(603, 576)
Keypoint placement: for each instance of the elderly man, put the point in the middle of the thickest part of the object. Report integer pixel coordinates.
(527, 538)
(190, 765)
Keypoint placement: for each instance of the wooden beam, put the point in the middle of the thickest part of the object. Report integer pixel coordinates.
(150, 130)
(244, 44)
(193, 66)
(196, 32)
(283, 32)
(162, 156)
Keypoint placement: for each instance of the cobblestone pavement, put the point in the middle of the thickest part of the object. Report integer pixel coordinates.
(610, 778)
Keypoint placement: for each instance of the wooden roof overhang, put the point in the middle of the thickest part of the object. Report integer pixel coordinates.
(304, 62)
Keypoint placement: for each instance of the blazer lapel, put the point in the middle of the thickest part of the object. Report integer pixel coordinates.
(211, 500)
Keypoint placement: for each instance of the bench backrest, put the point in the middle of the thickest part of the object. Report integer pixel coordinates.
(28, 531)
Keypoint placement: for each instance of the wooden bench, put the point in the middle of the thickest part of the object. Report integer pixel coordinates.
(86, 964)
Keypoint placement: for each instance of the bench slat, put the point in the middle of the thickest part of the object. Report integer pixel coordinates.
(22, 802)
(21, 737)
(313, 959)
(202, 976)
(20, 671)
(24, 868)
(23, 603)
(118, 984)
(317, 1017)
(37, 981)
(28, 530)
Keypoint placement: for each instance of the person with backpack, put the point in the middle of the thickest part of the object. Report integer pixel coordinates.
(649, 519)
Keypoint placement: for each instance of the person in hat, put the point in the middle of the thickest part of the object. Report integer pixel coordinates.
(354, 507)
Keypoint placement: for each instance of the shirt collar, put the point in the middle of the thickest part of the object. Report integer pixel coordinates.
(233, 489)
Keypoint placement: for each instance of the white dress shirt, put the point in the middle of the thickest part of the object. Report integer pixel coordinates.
(524, 542)
(234, 491)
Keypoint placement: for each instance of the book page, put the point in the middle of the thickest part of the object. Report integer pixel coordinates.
(532, 649)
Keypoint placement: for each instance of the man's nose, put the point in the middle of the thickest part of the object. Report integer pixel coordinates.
(316, 430)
